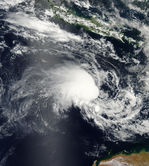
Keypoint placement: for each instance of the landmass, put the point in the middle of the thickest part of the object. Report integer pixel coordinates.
(134, 159)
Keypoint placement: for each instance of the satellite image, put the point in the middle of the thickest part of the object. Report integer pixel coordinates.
(74, 82)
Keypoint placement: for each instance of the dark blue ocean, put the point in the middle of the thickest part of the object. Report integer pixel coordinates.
(74, 80)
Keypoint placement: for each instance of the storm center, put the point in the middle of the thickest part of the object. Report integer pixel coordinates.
(74, 85)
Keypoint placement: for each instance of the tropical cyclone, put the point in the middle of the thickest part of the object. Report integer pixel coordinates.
(72, 85)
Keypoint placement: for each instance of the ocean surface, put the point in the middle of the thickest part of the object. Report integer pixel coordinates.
(74, 80)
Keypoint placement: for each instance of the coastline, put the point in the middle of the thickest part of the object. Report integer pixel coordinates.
(136, 159)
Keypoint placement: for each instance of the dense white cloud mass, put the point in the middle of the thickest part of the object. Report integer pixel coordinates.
(72, 85)
(41, 27)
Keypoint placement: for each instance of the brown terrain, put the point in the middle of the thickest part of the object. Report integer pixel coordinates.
(134, 159)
